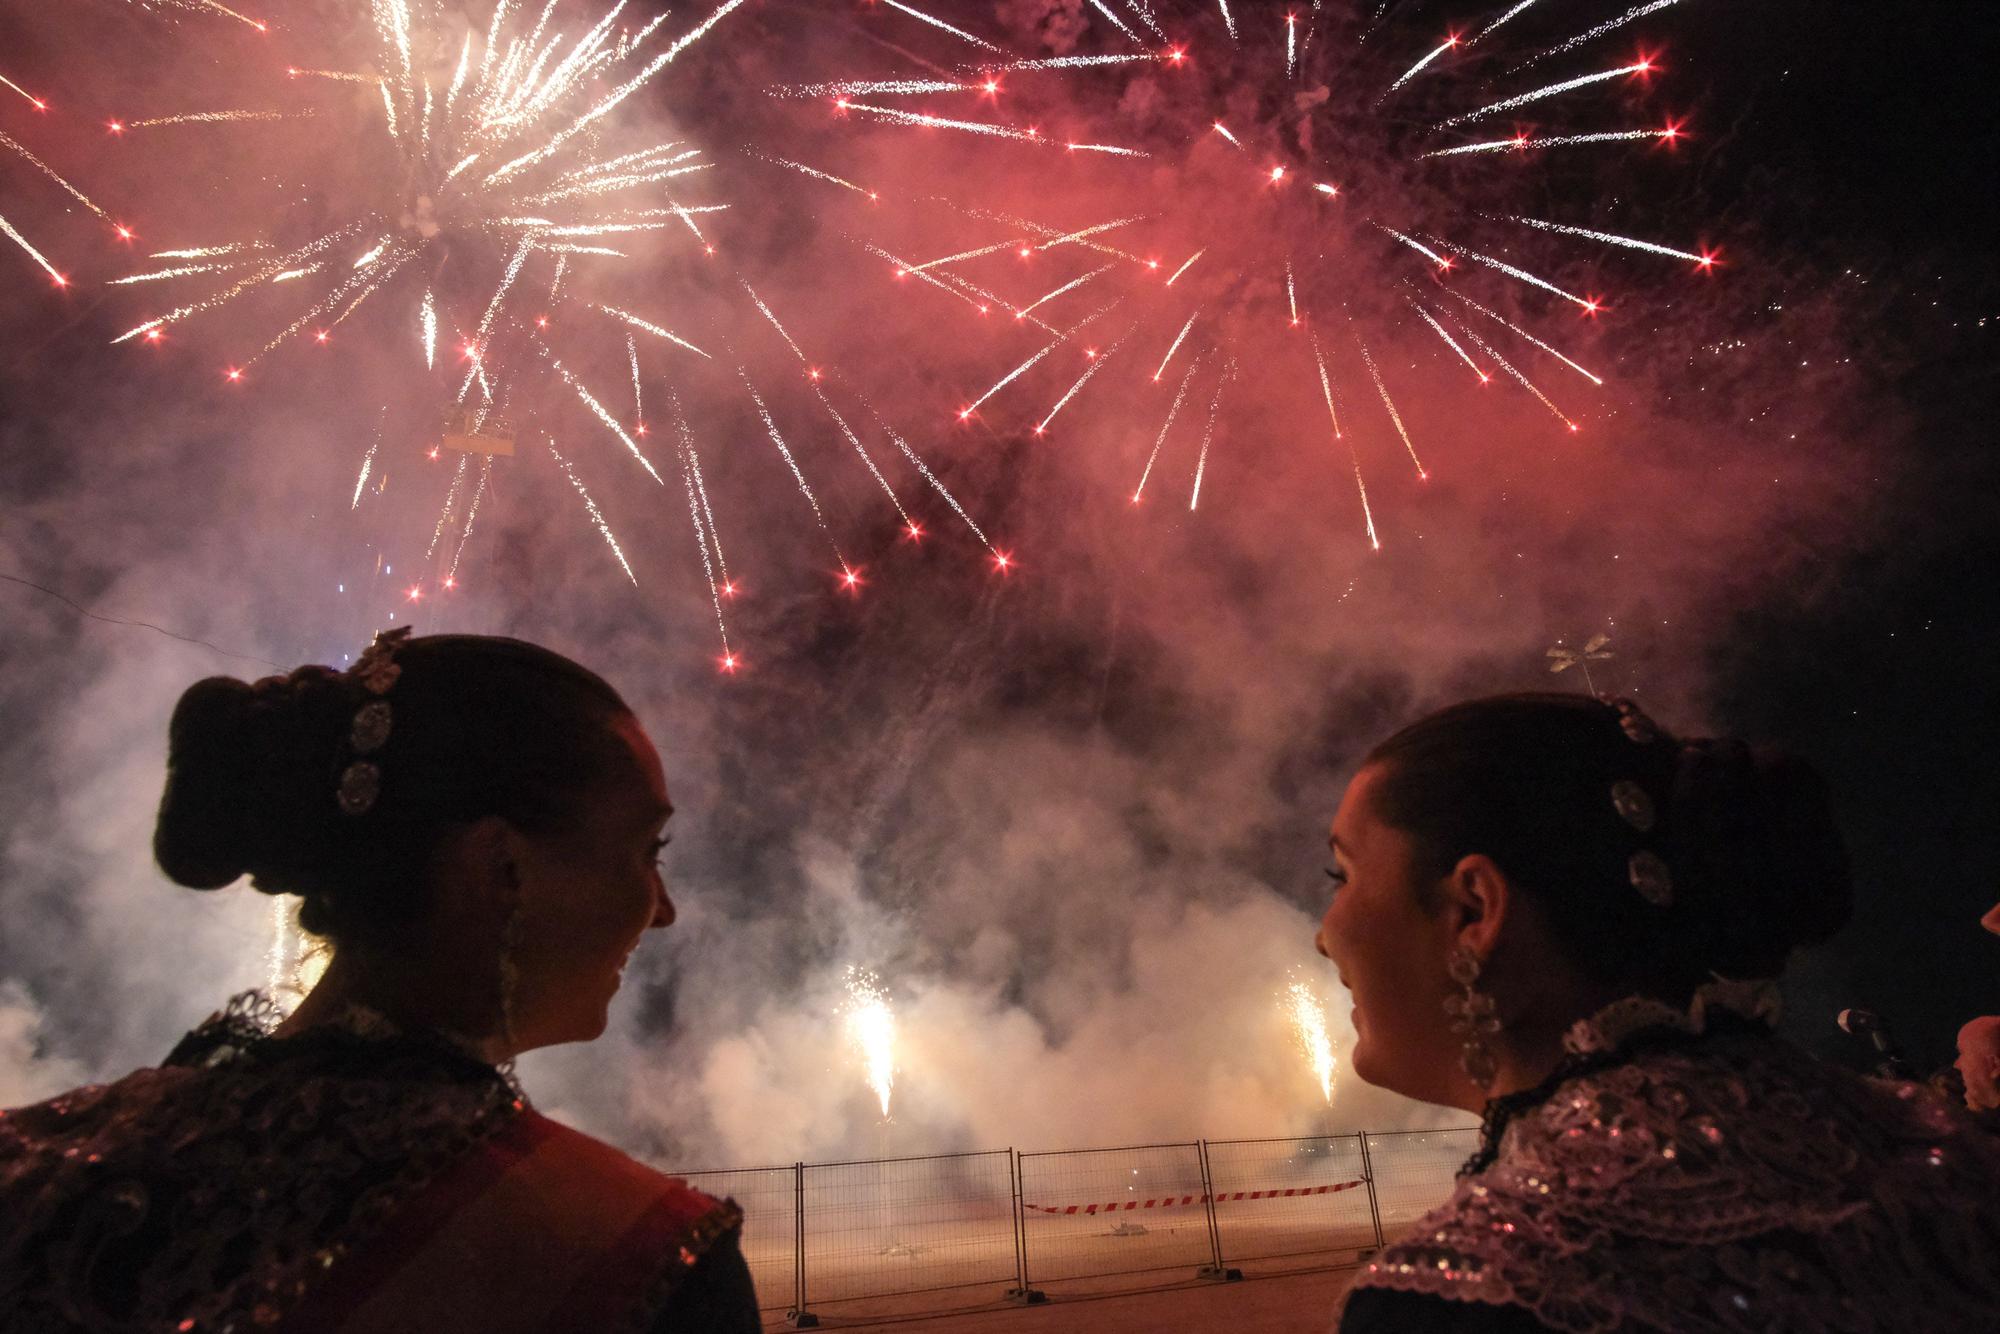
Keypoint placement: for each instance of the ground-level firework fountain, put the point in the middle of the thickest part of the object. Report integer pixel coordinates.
(871, 1024)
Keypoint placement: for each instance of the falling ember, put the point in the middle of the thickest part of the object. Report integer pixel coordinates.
(872, 1026)
(1308, 1019)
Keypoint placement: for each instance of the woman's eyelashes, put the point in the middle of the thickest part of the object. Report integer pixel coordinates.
(659, 846)
(1338, 876)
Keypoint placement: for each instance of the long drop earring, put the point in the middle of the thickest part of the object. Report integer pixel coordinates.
(1473, 1019)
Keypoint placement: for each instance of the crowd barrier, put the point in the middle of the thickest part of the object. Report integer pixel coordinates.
(819, 1234)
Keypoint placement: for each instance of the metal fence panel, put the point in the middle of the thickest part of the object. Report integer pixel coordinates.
(879, 1228)
(1094, 1212)
(767, 1196)
(1414, 1170)
(1285, 1197)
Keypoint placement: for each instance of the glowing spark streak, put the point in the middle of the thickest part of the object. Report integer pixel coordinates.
(1291, 45)
(624, 91)
(1189, 263)
(1308, 1018)
(1521, 274)
(928, 475)
(34, 254)
(290, 275)
(1636, 12)
(1508, 367)
(1068, 238)
(1418, 68)
(458, 75)
(367, 466)
(701, 489)
(965, 254)
(771, 428)
(1172, 412)
(1096, 365)
(1418, 246)
(1223, 130)
(1489, 28)
(862, 450)
(653, 329)
(50, 172)
(341, 75)
(1069, 286)
(430, 323)
(178, 272)
(1207, 437)
(901, 117)
(373, 283)
(205, 252)
(956, 32)
(1008, 379)
(871, 1023)
(1502, 320)
(1650, 247)
(452, 175)
(1326, 189)
(521, 253)
(894, 87)
(1450, 342)
(1291, 292)
(1326, 388)
(774, 322)
(817, 174)
(1179, 338)
(1145, 13)
(701, 536)
(1106, 148)
(450, 503)
(471, 515)
(597, 410)
(210, 117)
(1116, 22)
(638, 404)
(1228, 19)
(596, 515)
(389, 109)
(1552, 141)
(1548, 90)
(1390, 403)
(372, 255)
(1069, 62)
(39, 104)
(242, 285)
(950, 283)
(227, 12)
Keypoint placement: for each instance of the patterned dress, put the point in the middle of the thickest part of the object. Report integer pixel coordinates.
(1691, 1172)
(350, 1177)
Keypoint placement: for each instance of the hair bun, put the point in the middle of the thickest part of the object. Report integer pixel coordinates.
(243, 792)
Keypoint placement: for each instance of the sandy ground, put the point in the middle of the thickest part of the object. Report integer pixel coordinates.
(1262, 1303)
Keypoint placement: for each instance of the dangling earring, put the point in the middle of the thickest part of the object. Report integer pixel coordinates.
(1472, 1018)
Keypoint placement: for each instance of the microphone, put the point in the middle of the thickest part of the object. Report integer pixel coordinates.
(1867, 1024)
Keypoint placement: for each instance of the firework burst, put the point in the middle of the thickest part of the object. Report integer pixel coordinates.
(1311, 203)
(871, 1026)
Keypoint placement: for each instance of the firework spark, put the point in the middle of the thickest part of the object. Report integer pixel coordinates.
(871, 1026)
(1307, 1015)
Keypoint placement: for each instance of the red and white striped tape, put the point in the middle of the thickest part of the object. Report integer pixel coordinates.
(1175, 1201)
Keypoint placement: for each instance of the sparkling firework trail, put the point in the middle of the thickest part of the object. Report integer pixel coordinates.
(871, 1025)
(1448, 44)
(596, 515)
(1116, 22)
(1069, 286)
(34, 254)
(219, 117)
(861, 449)
(1509, 367)
(805, 489)
(766, 311)
(9, 141)
(1395, 417)
(696, 512)
(1228, 19)
(1291, 292)
(1207, 436)
(928, 475)
(638, 403)
(1497, 23)
(451, 503)
(1521, 142)
(1517, 329)
(817, 174)
(1309, 1028)
(1186, 265)
(471, 515)
(598, 410)
(1513, 271)
(40, 105)
(1333, 415)
(1166, 426)
(1636, 12)
(1650, 247)
(900, 117)
(1450, 342)
(960, 33)
(430, 329)
(1008, 379)
(367, 463)
(1096, 365)
(1175, 346)
(1549, 90)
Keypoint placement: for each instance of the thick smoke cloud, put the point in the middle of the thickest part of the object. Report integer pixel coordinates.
(1072, 815)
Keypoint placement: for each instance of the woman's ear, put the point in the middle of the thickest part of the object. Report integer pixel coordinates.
(1477, 896)
(479, 867)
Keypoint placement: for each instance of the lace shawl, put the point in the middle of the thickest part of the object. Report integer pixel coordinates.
(208, 1193)
(1724, 1183)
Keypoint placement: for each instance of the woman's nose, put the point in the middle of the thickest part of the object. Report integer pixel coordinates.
(663, 909)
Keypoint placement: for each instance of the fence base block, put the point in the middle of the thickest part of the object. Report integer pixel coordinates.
(1219, 1274)
(802, 1320)
(1027, 1296)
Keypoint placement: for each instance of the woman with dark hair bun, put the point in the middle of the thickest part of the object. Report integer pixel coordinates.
(474, 826)
(1551, 912)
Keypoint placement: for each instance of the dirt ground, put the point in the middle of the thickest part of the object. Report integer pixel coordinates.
(1266, 1303)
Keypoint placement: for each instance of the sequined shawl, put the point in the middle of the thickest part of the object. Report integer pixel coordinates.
(321, 1181)
(1719, 1180)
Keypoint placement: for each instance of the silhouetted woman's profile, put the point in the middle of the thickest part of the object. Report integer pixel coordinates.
(474, 825)
(1552, 912)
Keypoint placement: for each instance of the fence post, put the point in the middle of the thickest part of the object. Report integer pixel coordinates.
(1216, 1269)
(799, 1317)
(1022, 1294)
(1368, 1175)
